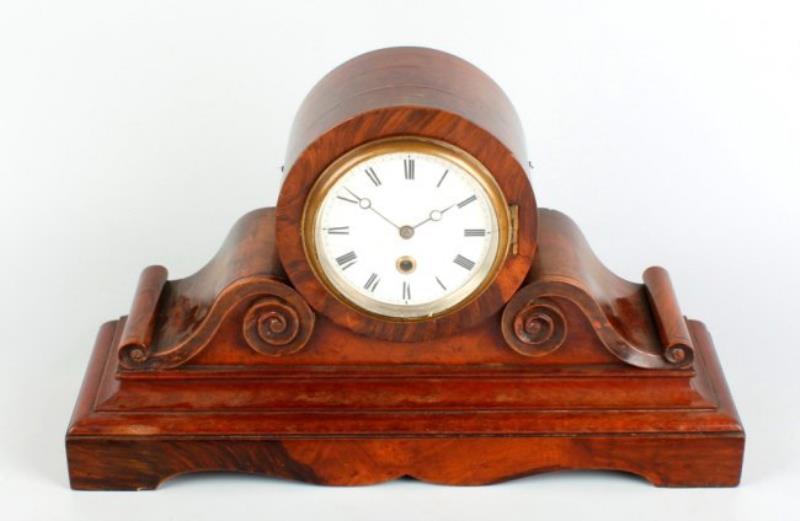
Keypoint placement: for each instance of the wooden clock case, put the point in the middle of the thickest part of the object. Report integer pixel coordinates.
(250, 365)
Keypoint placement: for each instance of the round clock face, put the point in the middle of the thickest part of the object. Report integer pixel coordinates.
(406, 229)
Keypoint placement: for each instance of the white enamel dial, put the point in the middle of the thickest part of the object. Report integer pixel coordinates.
(407, 233)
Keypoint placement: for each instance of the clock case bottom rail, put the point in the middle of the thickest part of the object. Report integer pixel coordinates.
(138, 450)
(142, 463)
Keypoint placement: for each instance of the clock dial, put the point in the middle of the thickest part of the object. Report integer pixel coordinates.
(409, 232)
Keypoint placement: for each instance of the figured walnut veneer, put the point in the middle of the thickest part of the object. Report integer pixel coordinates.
(341, 408)
(250, 365)
(405, 92)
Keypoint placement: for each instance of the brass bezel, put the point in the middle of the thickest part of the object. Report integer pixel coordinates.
(413, 144)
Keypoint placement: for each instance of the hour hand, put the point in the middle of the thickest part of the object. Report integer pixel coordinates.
(435, 215)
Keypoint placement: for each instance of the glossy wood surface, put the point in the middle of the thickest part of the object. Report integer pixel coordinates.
(405, 92)
(405, 77)
(669, 446)
(250, 365)
(345, 409)
(598, 318)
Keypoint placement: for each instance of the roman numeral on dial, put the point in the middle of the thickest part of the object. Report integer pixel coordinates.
(442, 179)
(464, 262)
(474, 232)
(406, 291)
(408, 168)
(466, 201)
(441, 284)
(372, 282)
(343, 198)
(346, 260)
(338, 230)
(373, 176)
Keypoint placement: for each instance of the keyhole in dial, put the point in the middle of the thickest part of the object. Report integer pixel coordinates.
(406, 264)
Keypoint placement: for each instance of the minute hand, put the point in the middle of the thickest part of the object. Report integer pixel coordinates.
(366, 204)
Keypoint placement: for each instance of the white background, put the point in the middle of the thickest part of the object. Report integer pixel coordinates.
(136, 133)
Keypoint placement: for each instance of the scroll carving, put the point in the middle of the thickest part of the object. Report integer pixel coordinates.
(278, 322)
(274, 326)
(537, 328)
(172, 321)
(534, 325)
(137, 336)
(641, 324)
(672, 328)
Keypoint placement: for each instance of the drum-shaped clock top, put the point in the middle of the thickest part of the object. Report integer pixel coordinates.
(406, 213)
(406, 228)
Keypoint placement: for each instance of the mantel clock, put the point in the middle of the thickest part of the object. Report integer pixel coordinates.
(404, 310)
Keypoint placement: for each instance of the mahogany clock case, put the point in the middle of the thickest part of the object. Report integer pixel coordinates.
(405, 92)
(249, 365)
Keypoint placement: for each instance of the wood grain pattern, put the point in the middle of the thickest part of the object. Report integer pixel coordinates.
(139, 328)
(200, 322)
(415, 412)
(672, 330)
(405, 92)
(244, 277)
(249, 365)
(680, 460)
(639, 324)
(669, 446)
(405, 77)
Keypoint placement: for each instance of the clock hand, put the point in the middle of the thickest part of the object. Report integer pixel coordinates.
(366, 204)
(435, 215)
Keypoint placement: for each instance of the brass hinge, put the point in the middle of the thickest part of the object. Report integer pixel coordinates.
(514, 210)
